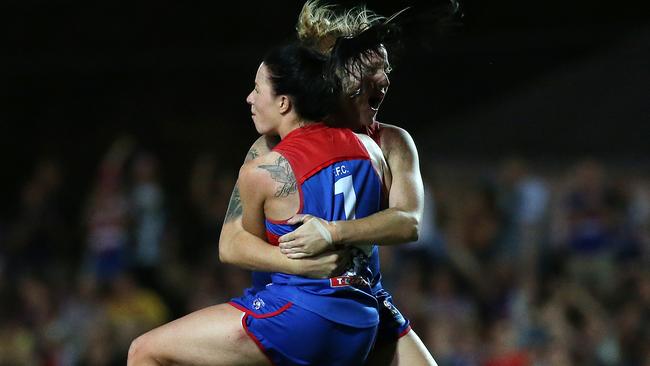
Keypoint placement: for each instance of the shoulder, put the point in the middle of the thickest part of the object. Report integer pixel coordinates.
(396, 139)
(263, 145)
(370, 145)
(267, 169)
(258, 173)
(392, 133)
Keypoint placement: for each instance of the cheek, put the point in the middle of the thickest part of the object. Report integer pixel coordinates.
(263, 108)
(265, 112)
(266, 102)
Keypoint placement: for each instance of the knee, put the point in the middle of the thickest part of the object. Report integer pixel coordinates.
(140, 352)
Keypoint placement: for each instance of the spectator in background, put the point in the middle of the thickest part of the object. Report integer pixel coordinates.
(38, 233)
(452, 325)
(523, 198)
(503, 346)
(631, 315)
(80, 319)
(630, 203)
(34, 311)
(107, 215)
(147, 207)
(18, 346)
(132, 310)
(209, 190)
(586, 224)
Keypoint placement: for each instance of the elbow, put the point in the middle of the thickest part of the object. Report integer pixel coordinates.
(225, 254)
(412, 228)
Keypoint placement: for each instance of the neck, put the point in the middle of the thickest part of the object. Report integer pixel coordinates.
(292, 125)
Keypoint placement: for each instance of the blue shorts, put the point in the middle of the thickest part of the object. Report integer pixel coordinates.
(291, 335)
(392, 324)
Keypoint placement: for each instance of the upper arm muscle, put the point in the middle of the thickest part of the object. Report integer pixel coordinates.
(406, 191)
(252, 198)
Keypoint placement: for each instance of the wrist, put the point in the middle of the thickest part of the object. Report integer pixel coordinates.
(285, 264)
(292, 266)
(334, 228)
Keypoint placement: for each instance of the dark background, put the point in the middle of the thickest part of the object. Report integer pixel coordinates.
(543, 79)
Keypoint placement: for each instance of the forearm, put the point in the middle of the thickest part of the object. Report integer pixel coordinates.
(245, 250)
(387, 227)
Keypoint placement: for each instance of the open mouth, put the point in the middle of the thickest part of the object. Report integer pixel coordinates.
(375, 101)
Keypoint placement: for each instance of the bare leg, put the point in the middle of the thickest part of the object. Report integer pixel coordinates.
(408, 351)
(411, 351)
(210, 336)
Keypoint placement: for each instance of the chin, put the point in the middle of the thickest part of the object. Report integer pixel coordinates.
(264, 130)
(259, 128)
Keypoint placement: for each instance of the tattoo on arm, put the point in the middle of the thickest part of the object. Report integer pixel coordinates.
(252, 154)
(281, 172)
(234, 207)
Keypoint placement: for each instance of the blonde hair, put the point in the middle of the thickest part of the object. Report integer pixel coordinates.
(320, 25)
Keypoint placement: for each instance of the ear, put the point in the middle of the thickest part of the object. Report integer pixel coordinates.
(284, 104)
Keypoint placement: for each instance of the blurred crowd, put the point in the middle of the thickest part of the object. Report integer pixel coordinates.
(518, 262)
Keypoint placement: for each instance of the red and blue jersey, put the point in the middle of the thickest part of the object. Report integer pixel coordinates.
(336, 181)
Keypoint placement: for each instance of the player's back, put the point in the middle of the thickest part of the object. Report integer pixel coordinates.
(336, 177)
